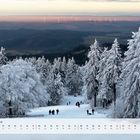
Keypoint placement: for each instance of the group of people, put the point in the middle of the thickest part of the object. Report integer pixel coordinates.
(69, 103)
(77, 104)
(89, 113)
(53, 112)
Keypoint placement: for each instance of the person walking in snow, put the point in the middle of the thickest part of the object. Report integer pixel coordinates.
(53, 112)
(78, 104)
(50, 112)
(57, 111)
(92, 111)
(87, 112)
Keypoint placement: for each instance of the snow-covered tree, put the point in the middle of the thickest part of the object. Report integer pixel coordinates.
(40, 63)
(72, 77)
(103, 85)
(63, 70)
(64, 65)
(55, 88)
(59, 87)
(57, 65)
(109, 72)
(3, 58)
(31, 60)
(91, 71)
(43, 67)
(21, 88)
(129, 100)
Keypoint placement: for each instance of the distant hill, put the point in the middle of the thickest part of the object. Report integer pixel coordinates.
(59, 39)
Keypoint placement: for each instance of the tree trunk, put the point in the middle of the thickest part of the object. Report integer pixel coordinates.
(114, 91)
(95, 102)
(10, 109)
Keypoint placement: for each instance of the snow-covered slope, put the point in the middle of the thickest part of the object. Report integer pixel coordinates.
(68, 111)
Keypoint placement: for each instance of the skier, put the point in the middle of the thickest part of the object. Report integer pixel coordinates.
(57, 111)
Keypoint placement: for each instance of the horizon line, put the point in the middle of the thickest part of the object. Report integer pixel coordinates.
(65, 18)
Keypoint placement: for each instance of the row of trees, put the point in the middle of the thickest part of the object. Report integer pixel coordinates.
(110, 79)
(102, 73)
(128, 103)
(35, 82)
(62, 77)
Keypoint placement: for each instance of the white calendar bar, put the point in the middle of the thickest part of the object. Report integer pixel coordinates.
(69, 126)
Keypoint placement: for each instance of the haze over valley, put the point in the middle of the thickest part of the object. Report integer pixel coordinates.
(62, 35)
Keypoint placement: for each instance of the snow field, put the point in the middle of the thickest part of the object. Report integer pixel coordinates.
(67, 111)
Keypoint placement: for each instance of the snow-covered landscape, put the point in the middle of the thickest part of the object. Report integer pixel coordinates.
(106, 86)
(69, 69)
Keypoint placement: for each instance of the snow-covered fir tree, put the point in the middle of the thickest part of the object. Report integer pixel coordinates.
(91, 71)
(72, 78)
(43, 66)
(109, 72)
(3, 58)
(31, 60)
(55, 88)
(40, 63)
(57, 65)
(128, 104)
(20, 88)
(103, 85)
(63, 70)
(60, 88)
(55, 82)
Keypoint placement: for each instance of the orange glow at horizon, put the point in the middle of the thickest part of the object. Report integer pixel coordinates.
(57, 19)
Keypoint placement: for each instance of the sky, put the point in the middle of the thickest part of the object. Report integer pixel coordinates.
(70, 7)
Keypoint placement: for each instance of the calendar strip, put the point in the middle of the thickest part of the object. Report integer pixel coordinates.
(70, 126)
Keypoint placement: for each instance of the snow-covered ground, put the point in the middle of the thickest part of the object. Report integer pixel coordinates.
(68, 111)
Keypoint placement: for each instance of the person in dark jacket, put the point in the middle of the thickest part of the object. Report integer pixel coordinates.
(87, 112)
(57, 111)
(50, 112)
(78, 104)
(53, 112)
(92, 111)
